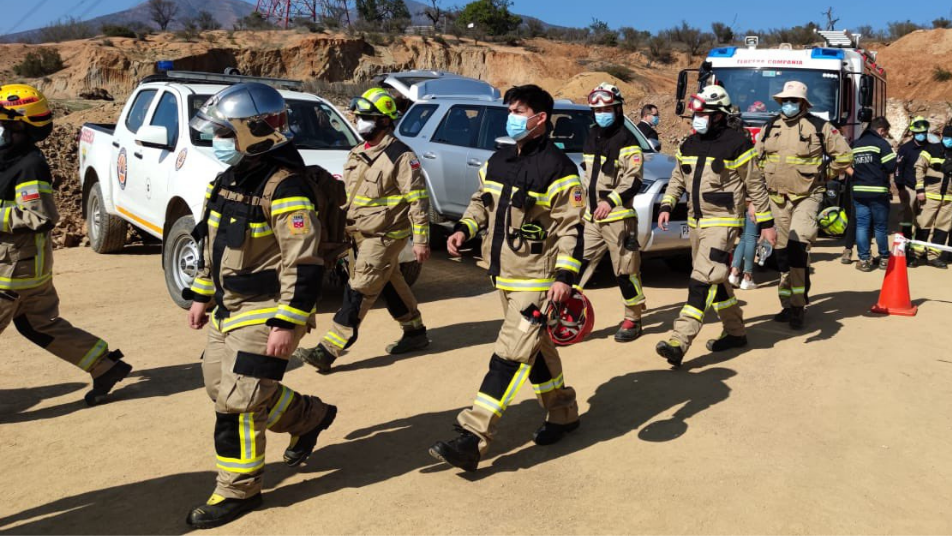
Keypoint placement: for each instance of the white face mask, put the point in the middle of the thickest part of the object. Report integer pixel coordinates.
(365, 126)
(701, 123)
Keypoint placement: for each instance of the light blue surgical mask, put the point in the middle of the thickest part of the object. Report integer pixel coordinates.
(921, 137)
(605, 119)
(225, 151)
(517, 125)
(655, 120)
(701, 123)
(790, 109)
(947, 142)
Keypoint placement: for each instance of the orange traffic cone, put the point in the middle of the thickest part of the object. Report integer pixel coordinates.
(894, 296)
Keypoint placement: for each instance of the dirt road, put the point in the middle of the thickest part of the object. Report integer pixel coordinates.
(843, 428)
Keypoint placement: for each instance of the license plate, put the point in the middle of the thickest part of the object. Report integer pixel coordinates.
(685, 231)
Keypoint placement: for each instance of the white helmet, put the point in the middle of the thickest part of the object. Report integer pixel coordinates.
(255, 114)
(605, 95)
(711, 99)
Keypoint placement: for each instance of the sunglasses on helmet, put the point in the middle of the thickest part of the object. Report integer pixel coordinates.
(602, 97)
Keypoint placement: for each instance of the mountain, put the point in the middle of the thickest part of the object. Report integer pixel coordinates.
(226, 12)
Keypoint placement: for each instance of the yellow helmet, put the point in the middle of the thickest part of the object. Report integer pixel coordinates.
(375, 102)
(26, 104)
(918, 124)
(833, 221)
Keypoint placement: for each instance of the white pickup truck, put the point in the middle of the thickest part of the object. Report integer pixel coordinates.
(151, 171)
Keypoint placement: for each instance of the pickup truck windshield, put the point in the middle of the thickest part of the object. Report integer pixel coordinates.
(752, 90)
(315, 125)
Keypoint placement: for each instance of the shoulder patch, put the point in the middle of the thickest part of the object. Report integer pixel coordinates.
(578, 200)
(414, 164)
(297, 223)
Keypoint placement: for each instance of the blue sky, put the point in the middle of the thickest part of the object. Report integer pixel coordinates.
(641, 14)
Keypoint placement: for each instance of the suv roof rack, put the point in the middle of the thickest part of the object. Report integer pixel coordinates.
(196, 77)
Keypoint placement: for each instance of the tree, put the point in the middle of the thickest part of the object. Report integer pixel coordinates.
(602, 34)
(723, 33)
(206, 21)
(163, 12)
(659, 49)
(942, 22)
(693, 38)
(490, 16)
(830, 21)
(368, 10)
(434, 13)
(898, 29)
(633, 39)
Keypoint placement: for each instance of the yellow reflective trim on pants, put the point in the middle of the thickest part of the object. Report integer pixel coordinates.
(7, 283)
(524, 285)
(515, 384)
(716, 222)
(335, 339)
(278, 410)
(616, 215)
(246, 433)
(692, 312)
(551, 385)
(241, 466)
(214, 219)
(93, 355)
(720, 306)
(639, 292)
(784, 292)
(565, 262)
(489, 403)
(248, 318)
(798, 290)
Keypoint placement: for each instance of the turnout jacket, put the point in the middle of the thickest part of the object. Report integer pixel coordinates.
(873, 163)
(791, 154)
(933, 172)
(386, 192)
(719, 172)
(612, 161)
(261, 234)
(906, 163)
(530, 205)
(27, 214)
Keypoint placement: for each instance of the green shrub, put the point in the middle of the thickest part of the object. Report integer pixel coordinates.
(620, 72)
(43, 62)
(116, 30)
(941, 75)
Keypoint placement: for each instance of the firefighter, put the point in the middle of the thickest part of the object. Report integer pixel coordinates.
(717, 167)
(798, 152)
(906, 176)
(530, 205)
(933, 174)
(27, 215)
(873, 163)
(262, 272)
(612, 160)
(387, 205)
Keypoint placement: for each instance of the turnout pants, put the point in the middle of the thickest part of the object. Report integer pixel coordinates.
(35, 314)
(376, 271)
(796, 231)
(933, 225)
(245, 385)
(708, 287)
(907, 210)
(620, 240)
(523, 351)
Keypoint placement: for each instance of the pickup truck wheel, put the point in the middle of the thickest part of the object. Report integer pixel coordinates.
(411, 271)
(180, 258)
(107, 233)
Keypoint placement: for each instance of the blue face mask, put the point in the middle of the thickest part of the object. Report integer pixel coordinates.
(225, 151)
(947, 143)
(605, 119)
(920, 137)
(517, 126)
(655, 120)
(701, 124)
(790, 109)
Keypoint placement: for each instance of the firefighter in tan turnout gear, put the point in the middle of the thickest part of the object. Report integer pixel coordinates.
(933, 177)
(612, 160)
(717, 167)
(798, 153)
(262, 272)
(27, 215)
(387, 205)
(530, 206)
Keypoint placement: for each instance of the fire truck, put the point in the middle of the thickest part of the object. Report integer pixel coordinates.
(845, 85)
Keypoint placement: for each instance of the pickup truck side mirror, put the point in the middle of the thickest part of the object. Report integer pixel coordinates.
(153, 136)
(504, 141)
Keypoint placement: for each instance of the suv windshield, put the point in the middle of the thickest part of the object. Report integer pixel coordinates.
(315, 125)
(752, 90)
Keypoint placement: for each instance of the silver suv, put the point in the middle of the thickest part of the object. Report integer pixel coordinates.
(453, 136)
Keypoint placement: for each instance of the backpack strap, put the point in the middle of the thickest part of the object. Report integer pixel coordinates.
(818, 124)
(267, 192)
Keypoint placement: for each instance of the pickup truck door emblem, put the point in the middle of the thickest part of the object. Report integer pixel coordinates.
(122, 166)
(181, 158)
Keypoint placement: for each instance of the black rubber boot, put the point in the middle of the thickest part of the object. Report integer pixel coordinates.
(302, 446)
(629, 331)
(671, 351)
(461, 451)
(219, 511)
(550, 432)
(797, 315)
(103, 384)
(783, 315)
(726, 342)
(410, 341)
(318, 357)
(938, 263)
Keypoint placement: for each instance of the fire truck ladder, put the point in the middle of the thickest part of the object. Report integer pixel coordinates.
(839, 38)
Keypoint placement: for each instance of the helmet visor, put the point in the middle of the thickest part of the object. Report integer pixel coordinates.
(601, 97)
(697, 104)
(209, 128)
(362, 106)
(919, 126)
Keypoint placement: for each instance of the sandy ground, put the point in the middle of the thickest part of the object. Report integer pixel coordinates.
(843, 428)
